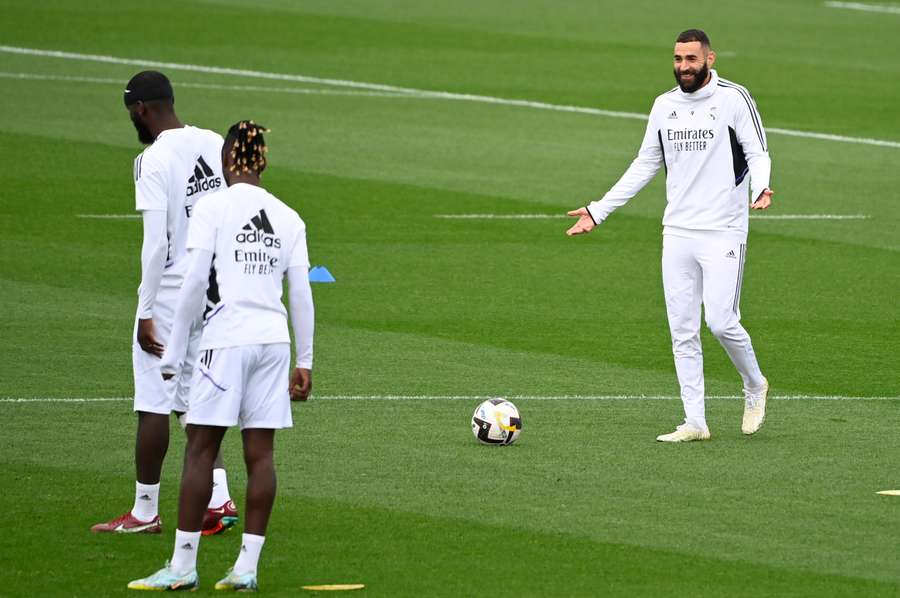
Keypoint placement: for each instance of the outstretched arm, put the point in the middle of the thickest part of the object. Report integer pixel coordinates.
(641, 171)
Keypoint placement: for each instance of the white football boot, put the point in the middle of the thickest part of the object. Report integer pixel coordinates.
(755, 408)
(685, 433)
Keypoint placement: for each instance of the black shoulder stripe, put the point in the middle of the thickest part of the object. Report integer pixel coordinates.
(753, 114)
(750, 104)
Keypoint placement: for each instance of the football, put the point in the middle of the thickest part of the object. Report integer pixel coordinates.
(496, 421)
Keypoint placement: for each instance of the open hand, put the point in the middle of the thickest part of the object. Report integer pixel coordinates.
(585, 223)
(763, 201)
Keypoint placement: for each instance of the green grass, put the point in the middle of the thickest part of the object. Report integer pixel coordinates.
(396, 494)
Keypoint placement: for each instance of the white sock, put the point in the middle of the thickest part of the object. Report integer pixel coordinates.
(146, 501)
(220, 494)
(184, 558)
(248, 557)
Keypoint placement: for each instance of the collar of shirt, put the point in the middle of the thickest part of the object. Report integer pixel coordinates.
(705, 91)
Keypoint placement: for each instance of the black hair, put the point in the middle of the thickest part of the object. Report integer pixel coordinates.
(693, 35)
(246, 146)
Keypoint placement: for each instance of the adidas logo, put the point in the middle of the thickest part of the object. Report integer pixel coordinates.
(731, 254)
(260, 221)
(203, 179)
(144, 497)
(243, 548)
(259, 230)
(187, 546)
(673, 115)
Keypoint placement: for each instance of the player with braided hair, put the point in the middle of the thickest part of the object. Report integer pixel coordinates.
(246, 147)
(242, 242)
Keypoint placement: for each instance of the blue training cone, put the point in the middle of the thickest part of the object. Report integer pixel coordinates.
(320, 274)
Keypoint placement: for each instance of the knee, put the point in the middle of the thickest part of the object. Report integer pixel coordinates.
(200, 452)
(685, 346)
(721, 326)
(257, 460)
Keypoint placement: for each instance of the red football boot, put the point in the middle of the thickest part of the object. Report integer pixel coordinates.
(216, 521)
(128, 524)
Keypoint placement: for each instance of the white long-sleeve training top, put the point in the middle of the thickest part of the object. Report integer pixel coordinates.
(179, 168)
(709, 142)
(242, 242)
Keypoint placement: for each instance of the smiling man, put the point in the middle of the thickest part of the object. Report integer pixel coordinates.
(708, 135)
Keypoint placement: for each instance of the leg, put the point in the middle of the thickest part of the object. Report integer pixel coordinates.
(151, 446)
(682, 283)
(153, 404)
(723, 268)
(258, 444)
(258, 447)
(265, 407)
(196, 479)
(221, 513)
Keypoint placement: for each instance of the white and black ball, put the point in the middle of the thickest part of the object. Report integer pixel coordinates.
(496, 421)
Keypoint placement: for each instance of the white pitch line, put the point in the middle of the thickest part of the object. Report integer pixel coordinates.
(809, 217)
(478, 398)
(543, 216)
(501, 216)
(109, 216)
(294, 90)
(561, 216)
(894, 10)
(174, 66)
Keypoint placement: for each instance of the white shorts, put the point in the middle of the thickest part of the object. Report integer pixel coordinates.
(151, 393)
(245, 386)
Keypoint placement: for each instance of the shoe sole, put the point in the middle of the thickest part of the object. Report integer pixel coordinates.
(223, 525)
(140, 529)
(698, 439)
(165, 589)
(242, 589)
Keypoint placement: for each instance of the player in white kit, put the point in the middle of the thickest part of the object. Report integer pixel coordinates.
(249, 240)
(708, 135)
(180, 165)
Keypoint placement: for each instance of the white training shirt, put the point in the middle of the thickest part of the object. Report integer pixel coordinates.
(255, 238)
(714, 149)
(170, 175)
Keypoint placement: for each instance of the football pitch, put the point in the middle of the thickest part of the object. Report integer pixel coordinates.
(433, 149)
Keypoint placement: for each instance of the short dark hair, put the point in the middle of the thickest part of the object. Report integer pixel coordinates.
(693, 35)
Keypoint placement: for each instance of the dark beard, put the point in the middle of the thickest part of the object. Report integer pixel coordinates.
(699, 79)
(144, 134)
